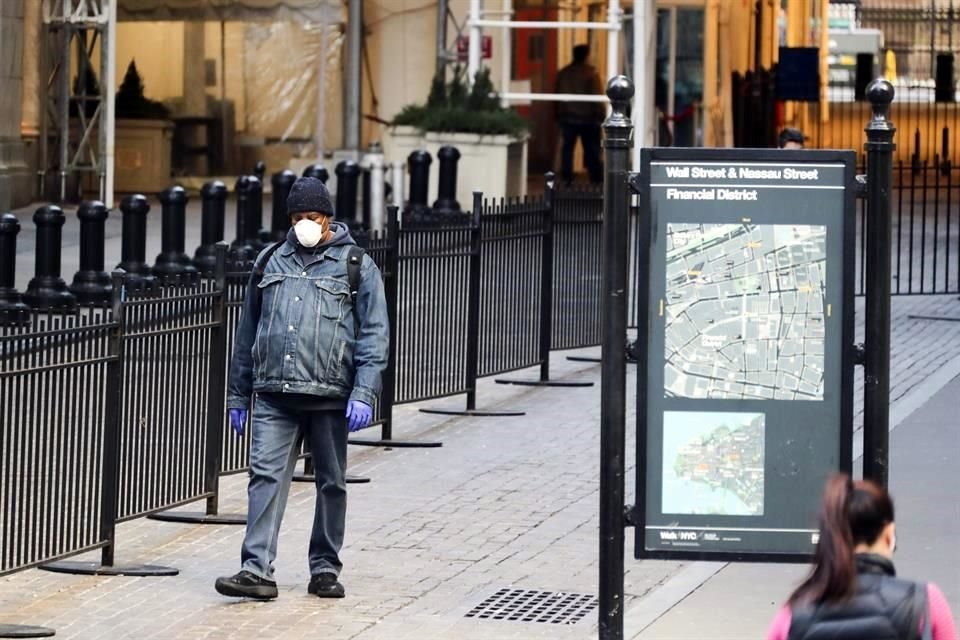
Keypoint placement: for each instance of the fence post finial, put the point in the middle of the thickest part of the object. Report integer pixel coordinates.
(880, 94)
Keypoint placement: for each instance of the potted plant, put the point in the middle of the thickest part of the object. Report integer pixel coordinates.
(144, 136)
(492, 139)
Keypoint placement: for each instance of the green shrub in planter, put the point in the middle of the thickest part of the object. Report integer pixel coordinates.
(453, 109)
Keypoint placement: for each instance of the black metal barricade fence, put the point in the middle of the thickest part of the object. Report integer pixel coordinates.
(513, 236)
(925, 230)
(167, 338)
(235, 456)
(433, 287)
(53, 407)
(577, 267)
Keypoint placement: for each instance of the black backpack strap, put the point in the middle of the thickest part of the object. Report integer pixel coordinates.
(354, 263)
(261, 265)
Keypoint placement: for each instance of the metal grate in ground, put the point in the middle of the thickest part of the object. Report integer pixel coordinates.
(528, 605)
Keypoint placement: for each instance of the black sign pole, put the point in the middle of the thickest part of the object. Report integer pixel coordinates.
(618, 132)
(876, 387)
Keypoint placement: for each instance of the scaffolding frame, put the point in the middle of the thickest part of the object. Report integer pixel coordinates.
(72, 32)
(644, 25)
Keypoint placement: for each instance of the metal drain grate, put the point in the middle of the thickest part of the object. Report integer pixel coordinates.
(526, 605)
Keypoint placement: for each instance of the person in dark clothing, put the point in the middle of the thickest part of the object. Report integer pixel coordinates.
(790, 138)
(580, 119)
(853, 592)
(313, 351)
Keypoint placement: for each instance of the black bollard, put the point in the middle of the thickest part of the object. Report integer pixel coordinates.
(133, 250)
(242, 251)
(173, 261)
(91, 284)
(281, 182)
(418, 163)
(260, 170)
(317, 171)
(47, 290)
(365, 205)
(259, 237)
(447, 183)
(213, 198)
(12, 308)
(348, 173)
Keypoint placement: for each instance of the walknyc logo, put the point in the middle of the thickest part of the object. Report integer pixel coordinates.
(679, 535)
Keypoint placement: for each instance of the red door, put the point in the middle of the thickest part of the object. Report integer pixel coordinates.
(535, 60)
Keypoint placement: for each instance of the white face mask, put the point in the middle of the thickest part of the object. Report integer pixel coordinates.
(309, 233)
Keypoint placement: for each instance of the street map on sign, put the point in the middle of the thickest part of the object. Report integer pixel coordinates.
(744, 311)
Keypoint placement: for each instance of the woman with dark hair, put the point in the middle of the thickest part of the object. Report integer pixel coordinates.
(853, 593)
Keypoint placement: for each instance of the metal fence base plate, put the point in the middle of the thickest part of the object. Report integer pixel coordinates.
(593, 359)
(97, 569)
(199, 517)
(399, 444)
(24, 631)
(303, 477)
(476, 413)
(545, 383)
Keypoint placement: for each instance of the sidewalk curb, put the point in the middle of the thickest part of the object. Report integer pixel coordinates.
(659, 600)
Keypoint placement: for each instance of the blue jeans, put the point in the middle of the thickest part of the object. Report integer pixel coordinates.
(276, 434)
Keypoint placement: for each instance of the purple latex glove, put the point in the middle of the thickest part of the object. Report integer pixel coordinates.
(359, 415)
(238, 418)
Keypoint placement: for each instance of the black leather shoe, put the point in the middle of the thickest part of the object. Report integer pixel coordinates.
(247, 585)
(325, 585)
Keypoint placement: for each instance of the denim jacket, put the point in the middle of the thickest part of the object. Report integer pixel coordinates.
(302, 334)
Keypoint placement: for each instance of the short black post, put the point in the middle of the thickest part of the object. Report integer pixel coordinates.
(447, 181)
(47, 291)
(618, 131)
(281, 183)
(348, 174)
(876, 365)
(173, 262)
(242, 251)
(260, 170)
(133, 250)
(418, 164)
(213, 204)
(366, 206)
(258, 236)
(91, 284)
(12, 308)
(317, 171)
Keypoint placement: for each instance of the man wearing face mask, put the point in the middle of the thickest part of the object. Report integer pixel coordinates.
(312, 349)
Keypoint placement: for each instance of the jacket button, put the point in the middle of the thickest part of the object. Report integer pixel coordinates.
(286, 386)
(290, 327)
(287, 357)
(303, 273)
(296, 299)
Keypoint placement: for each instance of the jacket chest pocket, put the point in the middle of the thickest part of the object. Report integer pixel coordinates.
(332, 298)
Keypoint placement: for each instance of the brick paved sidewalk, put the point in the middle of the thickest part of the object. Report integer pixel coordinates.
(505, 503)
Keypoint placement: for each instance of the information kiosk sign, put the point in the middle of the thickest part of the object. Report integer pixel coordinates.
(745, 406)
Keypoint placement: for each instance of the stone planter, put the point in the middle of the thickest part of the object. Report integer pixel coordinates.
(495, 165)
(142, 156)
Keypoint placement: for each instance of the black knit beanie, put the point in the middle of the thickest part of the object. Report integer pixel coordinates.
(309, 194)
